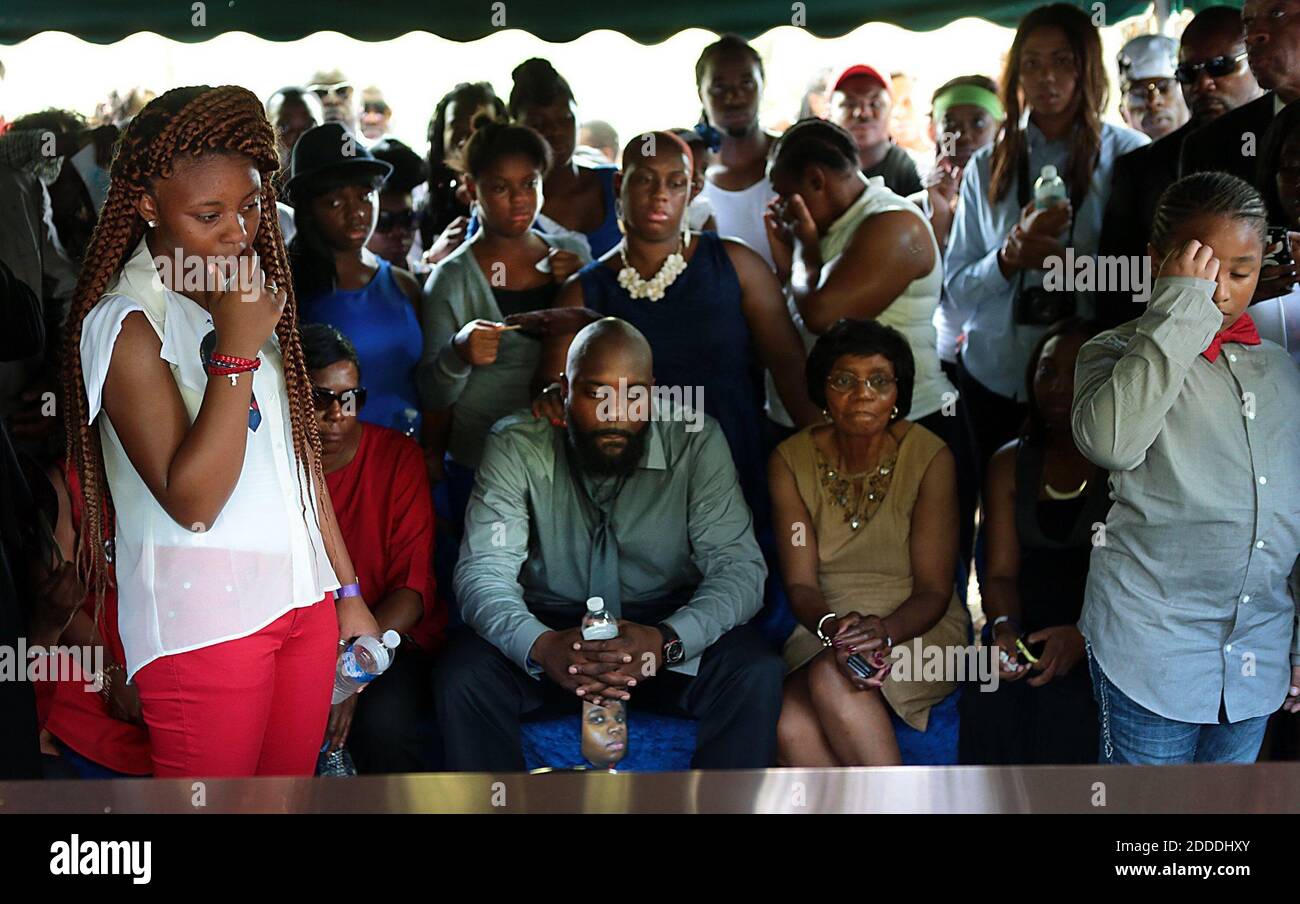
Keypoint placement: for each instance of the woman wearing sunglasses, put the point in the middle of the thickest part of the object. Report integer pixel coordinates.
(334, 185)
(376, 478)
(395, 227)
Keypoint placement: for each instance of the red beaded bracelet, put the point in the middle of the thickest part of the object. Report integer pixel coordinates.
(233, 361)
(218, 370)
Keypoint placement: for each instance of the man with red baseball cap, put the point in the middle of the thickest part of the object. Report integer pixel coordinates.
(860, 102)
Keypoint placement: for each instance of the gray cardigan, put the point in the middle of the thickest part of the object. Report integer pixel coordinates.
(456, 293)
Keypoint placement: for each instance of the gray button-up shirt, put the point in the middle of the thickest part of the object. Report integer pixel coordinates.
(682, 525)
(1187, 600)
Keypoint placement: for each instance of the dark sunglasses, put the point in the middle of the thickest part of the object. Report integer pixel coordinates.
(341, 90)
(1215, 67)
(349, 399)
(395, 219)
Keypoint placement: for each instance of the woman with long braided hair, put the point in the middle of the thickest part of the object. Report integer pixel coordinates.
(190, 426)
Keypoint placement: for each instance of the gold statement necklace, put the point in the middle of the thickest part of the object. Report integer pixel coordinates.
(860, 495)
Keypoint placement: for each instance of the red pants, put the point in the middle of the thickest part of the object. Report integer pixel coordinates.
(253, 706)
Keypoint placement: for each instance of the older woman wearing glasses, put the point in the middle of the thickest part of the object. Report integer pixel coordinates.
(865, 507)
(377, 481)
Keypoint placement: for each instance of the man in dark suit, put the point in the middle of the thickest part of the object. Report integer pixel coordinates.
(1215, 79)
(1231, 142)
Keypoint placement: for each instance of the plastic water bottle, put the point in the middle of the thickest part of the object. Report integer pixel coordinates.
(1049, 189)
(363, 661)
(598, 624)
(335, 765)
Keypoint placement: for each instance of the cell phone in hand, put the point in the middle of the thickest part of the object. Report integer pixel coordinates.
(862, 668)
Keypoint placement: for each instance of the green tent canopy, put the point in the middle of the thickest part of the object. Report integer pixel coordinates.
(647, 21)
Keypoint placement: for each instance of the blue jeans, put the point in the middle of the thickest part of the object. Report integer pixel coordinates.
(1131, 733)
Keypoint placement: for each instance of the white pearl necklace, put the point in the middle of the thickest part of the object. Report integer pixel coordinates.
(654, 287)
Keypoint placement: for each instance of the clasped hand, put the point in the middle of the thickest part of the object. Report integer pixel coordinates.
(600, 670)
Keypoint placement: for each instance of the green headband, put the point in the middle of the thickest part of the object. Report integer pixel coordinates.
(973, 95)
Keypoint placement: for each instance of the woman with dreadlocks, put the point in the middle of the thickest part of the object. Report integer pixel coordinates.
(191, 430)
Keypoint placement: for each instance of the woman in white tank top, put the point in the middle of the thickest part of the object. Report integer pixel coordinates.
(850, 248)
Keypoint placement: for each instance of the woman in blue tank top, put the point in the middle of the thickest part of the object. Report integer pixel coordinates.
(335, 196)
(579, 199)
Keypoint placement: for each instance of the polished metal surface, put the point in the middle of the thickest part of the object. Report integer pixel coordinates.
(1261, 788)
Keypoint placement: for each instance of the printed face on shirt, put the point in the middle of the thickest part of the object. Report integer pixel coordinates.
(1049, 71)
(1239, 246)
(509, 194)
(210, 207)
(655, 191)
(857, 409)
(346, 216)
(861, 105)
(604, 733)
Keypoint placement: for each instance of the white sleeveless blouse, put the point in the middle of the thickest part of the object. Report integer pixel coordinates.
(180, 590)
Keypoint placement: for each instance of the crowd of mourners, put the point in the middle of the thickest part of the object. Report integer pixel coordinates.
(781, 401)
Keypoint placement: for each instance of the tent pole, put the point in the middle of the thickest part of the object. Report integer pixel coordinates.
(1162, 16)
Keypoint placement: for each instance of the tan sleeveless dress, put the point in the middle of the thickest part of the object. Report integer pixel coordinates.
(869, 570)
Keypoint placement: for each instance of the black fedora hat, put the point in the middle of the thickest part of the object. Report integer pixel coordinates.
(330, 149)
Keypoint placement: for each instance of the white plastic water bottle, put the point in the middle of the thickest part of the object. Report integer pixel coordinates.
(1049, 189)
(598, 623)
(363, 661)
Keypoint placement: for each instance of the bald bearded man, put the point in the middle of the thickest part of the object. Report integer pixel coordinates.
(634, 499)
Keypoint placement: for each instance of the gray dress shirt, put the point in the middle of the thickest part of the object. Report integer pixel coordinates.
(682, 524)
(1187, 600)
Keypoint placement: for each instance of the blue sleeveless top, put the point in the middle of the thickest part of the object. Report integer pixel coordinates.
(380, 321)
(700, 338)
(607, 234)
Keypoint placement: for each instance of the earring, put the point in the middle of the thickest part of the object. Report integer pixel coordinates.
(151, 223)
(826, 414)
(893, 414)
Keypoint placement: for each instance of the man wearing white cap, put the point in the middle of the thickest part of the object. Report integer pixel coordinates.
(1152, 102)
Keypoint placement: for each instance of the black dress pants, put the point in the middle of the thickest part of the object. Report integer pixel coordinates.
(481, 695)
